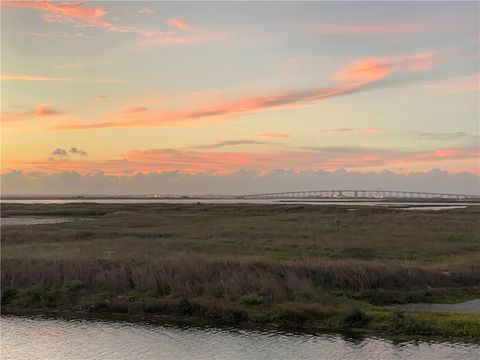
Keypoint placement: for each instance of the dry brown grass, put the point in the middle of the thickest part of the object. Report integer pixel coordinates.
(229, 280)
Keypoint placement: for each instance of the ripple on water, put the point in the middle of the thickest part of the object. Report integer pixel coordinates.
(36, 338)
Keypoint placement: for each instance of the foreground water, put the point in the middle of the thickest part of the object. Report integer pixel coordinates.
(38, 338)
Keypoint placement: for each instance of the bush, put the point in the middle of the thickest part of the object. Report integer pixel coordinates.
(355, 318)
(72, 286)
(8, 294)
(37, 296)
(233, 316)
(252, 299)
(185, 307)
(401, 323)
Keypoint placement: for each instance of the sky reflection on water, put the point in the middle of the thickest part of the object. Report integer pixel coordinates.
(38, 338)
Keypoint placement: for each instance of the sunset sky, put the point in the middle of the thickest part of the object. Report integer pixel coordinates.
(124, 88)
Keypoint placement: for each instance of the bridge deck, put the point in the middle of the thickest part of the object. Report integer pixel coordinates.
(360, 194)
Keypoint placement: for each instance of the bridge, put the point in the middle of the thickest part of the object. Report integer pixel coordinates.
(359, 194)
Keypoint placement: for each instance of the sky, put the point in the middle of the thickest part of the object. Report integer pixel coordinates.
(99, 96)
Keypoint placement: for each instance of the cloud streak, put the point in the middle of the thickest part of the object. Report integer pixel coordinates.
(457, 85)
(358, 76)
(179, 23)
(217, 158)
(65, 12)
(29, 77)
(413, 27)
(40, 110)
(225, 143)
(360, 130)
(86, 16)
(274, 135)
(56, 34)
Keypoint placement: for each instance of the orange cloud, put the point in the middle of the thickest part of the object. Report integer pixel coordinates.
(370, 70)
(274, 135)
(135, 110)
(440, 154)
(40, 110)
(83, 15)
(359, 76)
(203, 159)
(365, 71)
(44, 110)
(62, 12)
(179, 23)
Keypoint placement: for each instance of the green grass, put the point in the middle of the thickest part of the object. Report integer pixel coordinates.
(262, 263)
(279, 233)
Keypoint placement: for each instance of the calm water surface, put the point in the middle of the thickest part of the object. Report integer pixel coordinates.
(411, 205)
(38, 338)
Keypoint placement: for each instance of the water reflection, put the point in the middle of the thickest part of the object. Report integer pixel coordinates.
(34, 338)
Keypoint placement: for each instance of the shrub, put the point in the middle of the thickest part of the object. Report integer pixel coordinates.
(72, 286)
(184, 306)
(402, 323)
(8, 294)
(37, 296)
(252, 299)
(355, 318)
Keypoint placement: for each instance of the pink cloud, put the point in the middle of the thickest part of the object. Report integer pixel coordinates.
(203, 159)
(274, 135)
(359, 76)
(366, 71)
(197, 36)
(179, 23)
(83, 15)
(440, 154)
(44, 110)
(62, 12)
(40, 110)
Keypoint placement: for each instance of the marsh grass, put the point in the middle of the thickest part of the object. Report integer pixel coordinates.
(262, 263)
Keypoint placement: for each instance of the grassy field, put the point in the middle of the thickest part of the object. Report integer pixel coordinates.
(332, 266)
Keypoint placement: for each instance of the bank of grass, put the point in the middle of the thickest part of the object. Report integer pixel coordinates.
(298, 265)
